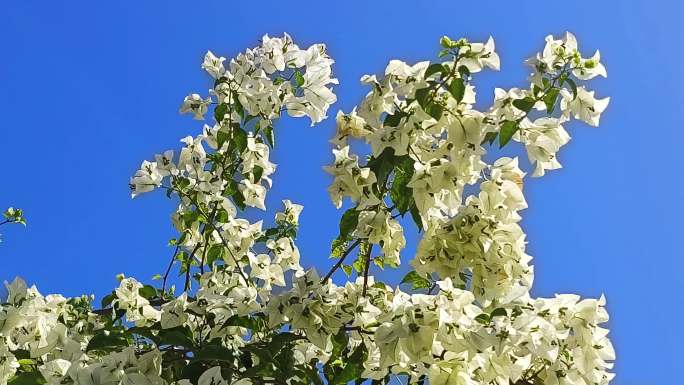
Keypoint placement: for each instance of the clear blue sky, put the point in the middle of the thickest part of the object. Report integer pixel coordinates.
(88, 91)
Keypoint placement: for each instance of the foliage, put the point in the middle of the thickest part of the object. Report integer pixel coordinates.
(463, 315)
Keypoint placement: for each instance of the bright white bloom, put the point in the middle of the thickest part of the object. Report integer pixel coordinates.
(583, 107)
(195, 105)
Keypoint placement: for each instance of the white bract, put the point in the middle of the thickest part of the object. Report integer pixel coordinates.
(247, 312)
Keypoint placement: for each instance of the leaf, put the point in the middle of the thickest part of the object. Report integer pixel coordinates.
(299, 78)
(354, 366)
(573, 87)
(239, 138)
(257, 172)
(400, 193)
(108, 341)
(382, 165)
(214, 352)
(348, 223)
(524, 104)
(27, 378)
(107, 300)
(215, 253)
(340, 342)
(220, 111)
(270, 136)
(347, 270)
(434, 68)
(508, 129)
(415, 214)
(238, 106)
(394, 119)
(221, 137)
(457, 89)
(178, 336)
(483, 318)
(435, 110)
(337, 247)
(422, 96)
(498, 312)
(147, 292)
(463, 71)
(416, 281)
(550, 99)
(280, 340)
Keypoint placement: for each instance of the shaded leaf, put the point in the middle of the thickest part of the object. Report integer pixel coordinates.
(508, 129)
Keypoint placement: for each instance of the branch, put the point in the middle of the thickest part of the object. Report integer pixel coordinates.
(339, 263)
(365, 269)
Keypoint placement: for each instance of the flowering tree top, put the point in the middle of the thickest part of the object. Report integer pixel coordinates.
(247, 312)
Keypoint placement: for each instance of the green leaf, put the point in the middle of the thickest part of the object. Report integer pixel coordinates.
(238, 106)
(360, 264)
(401, 194)
(337, 247)
(483, 318)
(422, 96)
(270, 136)
(215, 253)
(498, 312)
(415, 214)
(27, 378)
(239, 138)
(508, 129)
(457, 89)
(347, 270)
(107, 300)
(257, 172)
(382, 166)
(416, 281)
(394, 119)
(435, 68)
(353, 366)
(221, 137)
(108, 341)
(147, 292)
(573, 87)
(435, 110)
(220, 111)
(179, 336)
(348, 222)
(214, 352)
(280, 340)
(340, 342)
(299, 78)
(550, 99)
(463, 71)
(524, 104)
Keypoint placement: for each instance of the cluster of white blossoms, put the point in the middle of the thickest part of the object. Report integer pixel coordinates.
(249, 313)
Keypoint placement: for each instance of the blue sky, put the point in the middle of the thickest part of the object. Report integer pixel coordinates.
(90, 89)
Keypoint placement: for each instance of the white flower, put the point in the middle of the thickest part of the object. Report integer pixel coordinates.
(146, 179)
(213, 65)
(254, 194)
(543, 138)
(194, 104)
(290, 214)
(583, 107)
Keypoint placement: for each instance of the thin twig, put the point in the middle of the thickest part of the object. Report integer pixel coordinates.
(341, 261)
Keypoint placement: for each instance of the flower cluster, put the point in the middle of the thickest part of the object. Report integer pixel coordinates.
(249, 313)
